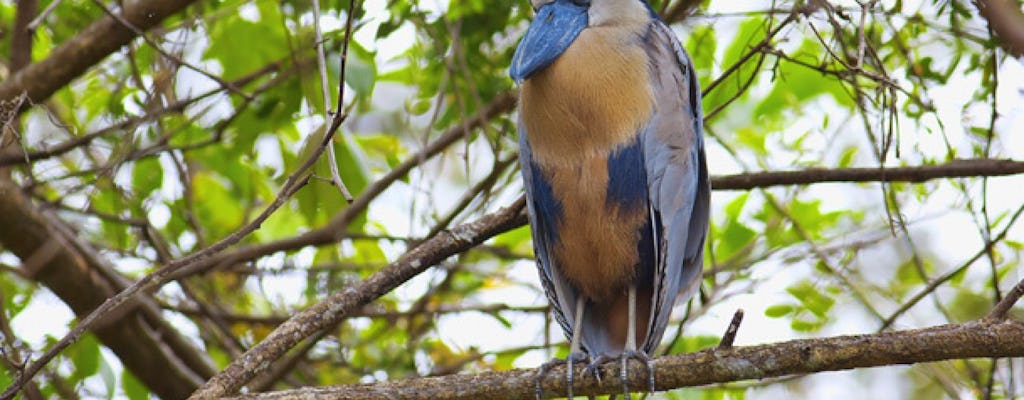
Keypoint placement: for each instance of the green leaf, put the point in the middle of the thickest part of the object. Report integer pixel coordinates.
(733, 237)
(501, 319)
(701, 45)
(282, 223)
(506, 360)
(811, 298)
(751, 32)
(801, 325)
(5, 378)
(383, 146)
(243, 46)
(846, 159)
(516, 240)
(753, 138)
(799, 83)
(16, 296)
(968, 305)
(85, 356)
(808, 214)
(779, 310)
(319, 199)
(147, 176)
(419, 107)
(368, 252)
(361, 71)
(735, 207)
(133, 388)
(217, 209)
(689, 344)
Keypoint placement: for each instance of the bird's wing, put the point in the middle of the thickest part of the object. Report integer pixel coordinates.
(677, 177)
(543, 210)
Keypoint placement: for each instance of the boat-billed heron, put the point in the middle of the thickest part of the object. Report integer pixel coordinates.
(612, 156)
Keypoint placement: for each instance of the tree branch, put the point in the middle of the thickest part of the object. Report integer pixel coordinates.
(94, 43)
(1004, 305)
(952, 169)
(983, 338)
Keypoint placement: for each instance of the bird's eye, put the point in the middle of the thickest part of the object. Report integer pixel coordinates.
(581, 3)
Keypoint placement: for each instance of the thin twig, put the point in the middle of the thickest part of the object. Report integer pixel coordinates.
(321, 65)
(1003, 307)
(46, 13)
(730, 333)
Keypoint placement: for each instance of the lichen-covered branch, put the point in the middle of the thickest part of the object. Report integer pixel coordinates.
(983, 338)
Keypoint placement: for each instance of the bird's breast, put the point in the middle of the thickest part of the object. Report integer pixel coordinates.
(580, 114)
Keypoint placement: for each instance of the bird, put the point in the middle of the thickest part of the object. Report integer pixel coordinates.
(612, 159)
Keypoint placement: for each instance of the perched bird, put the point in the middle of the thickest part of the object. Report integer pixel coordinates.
(612, 157)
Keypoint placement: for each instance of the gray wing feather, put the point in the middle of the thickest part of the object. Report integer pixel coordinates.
(677, 176)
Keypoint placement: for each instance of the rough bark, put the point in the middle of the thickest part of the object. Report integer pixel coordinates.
(983, 338)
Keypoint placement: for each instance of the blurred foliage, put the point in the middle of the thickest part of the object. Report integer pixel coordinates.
(793, 85)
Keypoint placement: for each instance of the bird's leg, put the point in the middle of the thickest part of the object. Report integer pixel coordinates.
(630, 349)
(575, 355)
(574, 345)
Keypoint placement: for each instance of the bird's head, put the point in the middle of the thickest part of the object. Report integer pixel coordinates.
(557, 23)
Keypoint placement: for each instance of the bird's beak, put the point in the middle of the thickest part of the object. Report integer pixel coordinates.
(554, 28)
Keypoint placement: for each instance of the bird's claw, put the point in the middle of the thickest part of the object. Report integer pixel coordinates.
(624, 370)
(569, 362)
(595, 364)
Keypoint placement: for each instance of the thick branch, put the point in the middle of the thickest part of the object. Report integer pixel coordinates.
(94, 43)
(952, 169)
(984, 338)
(1006, 19)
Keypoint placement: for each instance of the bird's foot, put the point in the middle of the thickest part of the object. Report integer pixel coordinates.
(569, 362)
(624, 370)
(595, 364)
